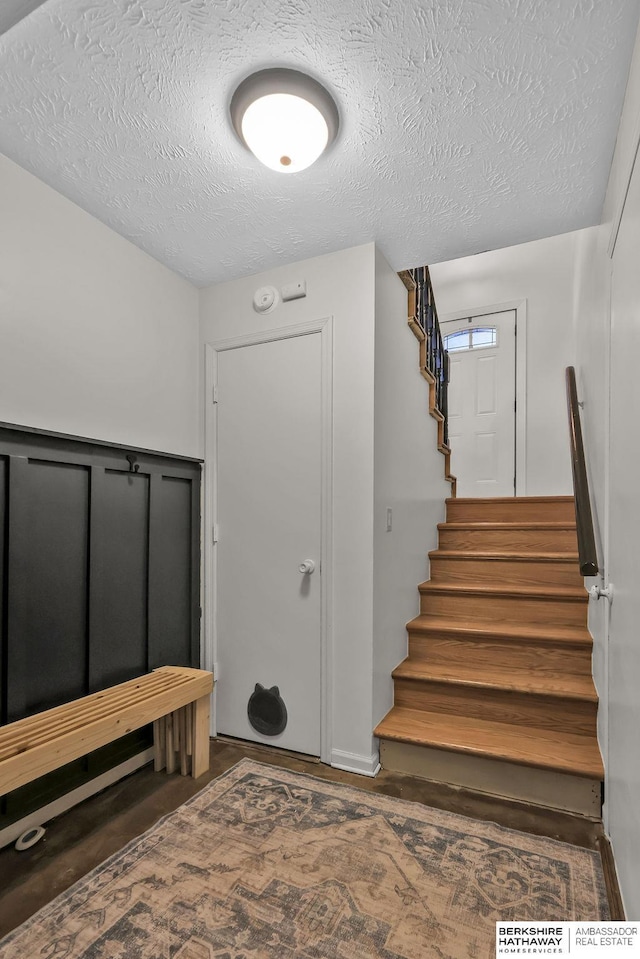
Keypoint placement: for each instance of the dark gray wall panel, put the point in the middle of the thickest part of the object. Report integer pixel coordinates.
(170, 572)
(82, 606)
(3, 584)
(48, 554)
(119, 571)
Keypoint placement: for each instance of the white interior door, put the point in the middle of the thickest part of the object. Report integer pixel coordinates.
(482, 390)
(268, 514)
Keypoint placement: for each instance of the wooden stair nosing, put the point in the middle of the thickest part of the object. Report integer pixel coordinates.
(493, 539)
(512, 609)
(513, 511)
(525, 745)
(571, 594)
(518, 499)
(494, 524)
(508, 707)
(464, 566)
(547, 661)
(530, 508)
(509, 500)
(491, 556)
(505, 680)
(537, 633)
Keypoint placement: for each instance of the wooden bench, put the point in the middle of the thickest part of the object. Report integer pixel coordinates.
(174, 698)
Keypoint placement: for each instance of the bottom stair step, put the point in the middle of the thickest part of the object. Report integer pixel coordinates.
(495, 778)
(537, 766)
(524, 745)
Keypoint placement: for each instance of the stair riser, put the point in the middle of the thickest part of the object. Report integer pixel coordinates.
(482, 540)
(484, 610)
(494, 705)
(516, 654)
(542, 787)
(507, 572)
(511, 511)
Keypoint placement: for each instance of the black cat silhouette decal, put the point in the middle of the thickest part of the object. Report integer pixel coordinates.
(266, 710)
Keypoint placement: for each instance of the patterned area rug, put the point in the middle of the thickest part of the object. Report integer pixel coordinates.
(270, 864)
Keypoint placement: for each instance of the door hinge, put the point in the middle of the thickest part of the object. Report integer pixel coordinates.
(214, 533)
(214, 397)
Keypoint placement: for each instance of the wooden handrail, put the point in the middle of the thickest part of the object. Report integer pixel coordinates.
(587, 553)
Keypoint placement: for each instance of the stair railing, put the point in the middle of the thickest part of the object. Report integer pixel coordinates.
(587, 553)
(436, 358)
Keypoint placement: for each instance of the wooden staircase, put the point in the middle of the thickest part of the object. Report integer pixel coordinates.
(496, 693)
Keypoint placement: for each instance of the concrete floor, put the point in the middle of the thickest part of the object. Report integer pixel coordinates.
(83, 837)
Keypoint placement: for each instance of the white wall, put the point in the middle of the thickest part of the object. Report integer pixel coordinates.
(408, 478)
(607, 323)
(592, 284)
(541, 273)
(97, 339)
(340, 285)
(591, 324)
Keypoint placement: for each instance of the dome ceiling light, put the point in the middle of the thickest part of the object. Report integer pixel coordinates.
(285, 118)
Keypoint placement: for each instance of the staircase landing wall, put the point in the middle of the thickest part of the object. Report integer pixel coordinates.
(607, 327)
(408, 479)
(538, 275)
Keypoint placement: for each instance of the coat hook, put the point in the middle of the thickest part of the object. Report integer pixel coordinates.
(133, 460)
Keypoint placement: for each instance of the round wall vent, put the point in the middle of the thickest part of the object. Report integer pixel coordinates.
(266, 711)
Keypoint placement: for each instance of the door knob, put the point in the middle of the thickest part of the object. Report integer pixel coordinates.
(307, 567)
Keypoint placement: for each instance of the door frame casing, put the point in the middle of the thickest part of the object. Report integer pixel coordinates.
(324, 327)
(520, 308)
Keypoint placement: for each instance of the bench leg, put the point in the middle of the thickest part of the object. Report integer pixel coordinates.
(159, 760)
(200, 727)
(170, 751)
(183, 735)
(184, 759)
(189, 714)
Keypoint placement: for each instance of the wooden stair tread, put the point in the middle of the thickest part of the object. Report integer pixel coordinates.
(469, 524)
(525, 745)
(510, 556)
(509, 500)
(567, 593)
(567, 685)
(534, 632)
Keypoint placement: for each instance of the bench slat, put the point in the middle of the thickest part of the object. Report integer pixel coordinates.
(79, 734)
(102, 700)
(56, 724)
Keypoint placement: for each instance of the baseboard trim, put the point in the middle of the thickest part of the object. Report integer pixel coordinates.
(616, 905)
(40, 816)
(355, 763)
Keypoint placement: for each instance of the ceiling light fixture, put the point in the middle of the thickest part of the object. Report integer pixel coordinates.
(285, 118)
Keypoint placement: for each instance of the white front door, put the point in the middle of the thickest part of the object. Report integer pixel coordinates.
(268, 492)
(481, 402)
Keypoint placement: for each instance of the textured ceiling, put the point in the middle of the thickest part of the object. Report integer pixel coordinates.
(13, 10)
(466, 125)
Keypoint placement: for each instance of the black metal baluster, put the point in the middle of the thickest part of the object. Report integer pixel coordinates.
(436, 357)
